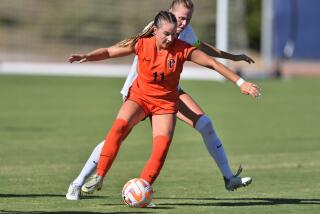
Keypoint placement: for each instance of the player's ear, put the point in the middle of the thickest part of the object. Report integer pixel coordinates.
(155, 30)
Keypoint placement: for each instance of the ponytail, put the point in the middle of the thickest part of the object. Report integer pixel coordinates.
(148, 31)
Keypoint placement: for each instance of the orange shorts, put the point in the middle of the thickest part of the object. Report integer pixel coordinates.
(151, 106)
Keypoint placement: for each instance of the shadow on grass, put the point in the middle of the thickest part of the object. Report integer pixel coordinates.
(241, 201)
(149, 208)
(29, 195)
(69, 212)
(48, 195)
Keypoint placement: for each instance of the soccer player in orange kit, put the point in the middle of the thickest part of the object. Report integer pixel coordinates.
(155, 91)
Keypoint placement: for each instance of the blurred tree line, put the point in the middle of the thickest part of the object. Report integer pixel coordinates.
(49, 25)
(253, 23)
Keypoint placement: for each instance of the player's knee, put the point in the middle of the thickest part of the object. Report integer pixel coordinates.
(120, 126)
(204, 125)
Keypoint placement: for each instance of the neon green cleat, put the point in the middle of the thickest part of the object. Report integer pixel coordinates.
(94, 183)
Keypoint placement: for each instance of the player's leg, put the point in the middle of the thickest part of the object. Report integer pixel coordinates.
(87, 170)
(129, 115)
(89, 167)
(191, 113)
(91, 164)
(162, 132)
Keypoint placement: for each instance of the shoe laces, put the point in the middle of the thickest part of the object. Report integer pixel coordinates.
(74, 189)
(238, 172)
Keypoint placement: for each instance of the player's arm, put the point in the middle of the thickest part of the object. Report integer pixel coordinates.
(215, 52)
(102, 54)
(200, 58)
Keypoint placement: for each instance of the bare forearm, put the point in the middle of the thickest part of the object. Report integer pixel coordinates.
(224, 71)
(215, 52)
(101, 54)
(203, 59)
(98, 54)
(245, 87)
(200, 58)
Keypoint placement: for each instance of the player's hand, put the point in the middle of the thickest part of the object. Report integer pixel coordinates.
(243, 57)
(78, 58)
(250, 89)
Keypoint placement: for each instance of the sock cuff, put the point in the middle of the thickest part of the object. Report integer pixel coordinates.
(202, 122)
(120, 121)
(120, 125)
(161, 138)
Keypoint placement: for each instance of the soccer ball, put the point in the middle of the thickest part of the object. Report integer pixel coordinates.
(137, 193)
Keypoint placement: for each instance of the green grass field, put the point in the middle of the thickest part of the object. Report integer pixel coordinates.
(49, 126)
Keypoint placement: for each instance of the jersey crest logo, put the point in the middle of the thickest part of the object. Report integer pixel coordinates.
(171, 62)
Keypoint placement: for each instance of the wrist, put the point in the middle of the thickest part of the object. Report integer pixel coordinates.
(240, 81)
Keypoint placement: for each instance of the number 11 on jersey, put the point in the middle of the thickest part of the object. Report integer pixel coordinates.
(155, 76)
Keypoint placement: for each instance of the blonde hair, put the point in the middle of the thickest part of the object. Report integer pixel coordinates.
(186, 3)
(148, 31)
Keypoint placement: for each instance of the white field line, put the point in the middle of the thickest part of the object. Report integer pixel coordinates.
(98, 70)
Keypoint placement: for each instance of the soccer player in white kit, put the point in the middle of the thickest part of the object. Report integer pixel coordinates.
(189, 111)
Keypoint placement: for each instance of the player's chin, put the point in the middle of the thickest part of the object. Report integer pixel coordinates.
(166, 45)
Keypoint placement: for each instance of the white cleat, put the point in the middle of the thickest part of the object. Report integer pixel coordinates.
(94, 183)
(74, 192)
(236, 181)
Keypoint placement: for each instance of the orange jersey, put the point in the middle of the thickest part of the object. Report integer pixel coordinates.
(159, 72)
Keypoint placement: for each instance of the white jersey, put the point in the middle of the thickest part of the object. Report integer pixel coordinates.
(186, 35)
